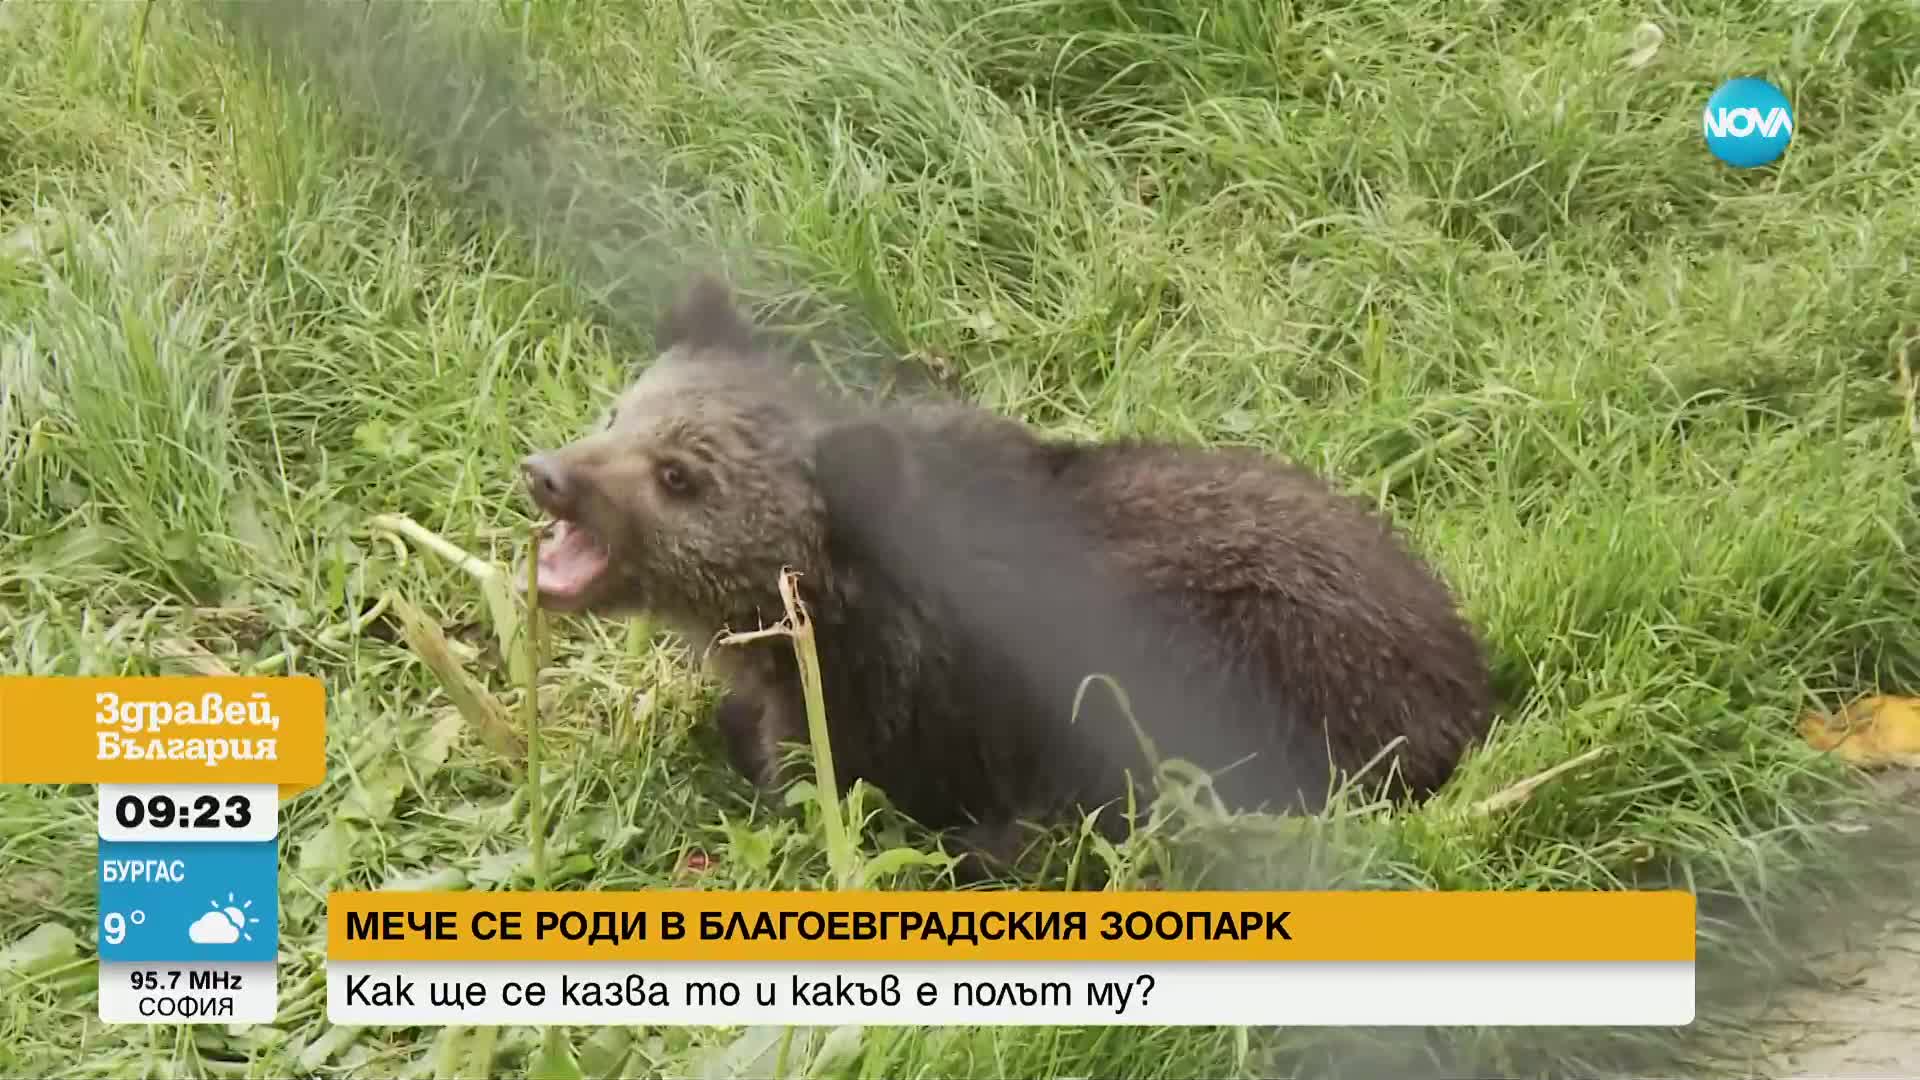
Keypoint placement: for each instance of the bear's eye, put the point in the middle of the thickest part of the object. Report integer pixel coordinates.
(674, 478)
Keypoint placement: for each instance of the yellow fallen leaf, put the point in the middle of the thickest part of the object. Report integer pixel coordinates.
(1873, 732)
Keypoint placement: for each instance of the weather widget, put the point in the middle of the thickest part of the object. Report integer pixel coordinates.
(189, 929)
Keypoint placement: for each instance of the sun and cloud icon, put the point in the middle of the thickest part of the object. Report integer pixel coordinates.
(224, 925)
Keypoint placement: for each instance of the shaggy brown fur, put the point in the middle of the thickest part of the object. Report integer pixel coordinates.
(966, 577)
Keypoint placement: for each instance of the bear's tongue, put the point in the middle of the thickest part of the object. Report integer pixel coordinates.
(570, 560)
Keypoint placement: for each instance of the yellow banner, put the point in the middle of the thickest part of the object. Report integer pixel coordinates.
(166, 729)
(1056, 927)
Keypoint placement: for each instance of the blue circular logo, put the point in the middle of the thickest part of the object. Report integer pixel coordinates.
(1748, 122)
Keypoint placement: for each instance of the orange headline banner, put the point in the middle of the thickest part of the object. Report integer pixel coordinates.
(164, 729)
(1058, 927)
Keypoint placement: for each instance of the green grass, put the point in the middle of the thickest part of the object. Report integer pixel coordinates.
(1639, 407)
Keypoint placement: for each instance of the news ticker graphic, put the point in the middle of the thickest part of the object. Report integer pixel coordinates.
(191, 771)
(1095, 958)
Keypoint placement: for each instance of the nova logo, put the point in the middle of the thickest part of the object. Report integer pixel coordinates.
(1747, 123)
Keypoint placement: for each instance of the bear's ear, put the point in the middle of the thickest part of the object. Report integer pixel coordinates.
(705, 317)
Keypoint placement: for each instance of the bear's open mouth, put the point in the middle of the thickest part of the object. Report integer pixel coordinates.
(571, 561)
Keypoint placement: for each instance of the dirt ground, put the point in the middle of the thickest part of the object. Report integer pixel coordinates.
(1860, 1014)
(1863, 1019)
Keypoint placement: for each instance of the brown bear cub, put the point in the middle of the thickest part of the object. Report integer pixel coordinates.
(1008, 627)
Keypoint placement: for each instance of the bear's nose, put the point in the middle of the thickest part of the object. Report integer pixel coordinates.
(550, 483)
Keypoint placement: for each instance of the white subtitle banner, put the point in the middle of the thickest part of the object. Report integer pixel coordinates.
(1296, 993)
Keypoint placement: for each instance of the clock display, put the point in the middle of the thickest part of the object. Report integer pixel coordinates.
(203, 812)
